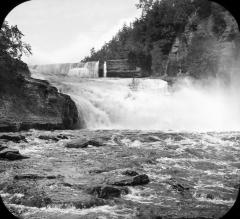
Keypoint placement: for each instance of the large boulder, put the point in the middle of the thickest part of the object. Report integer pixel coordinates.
(11, 154)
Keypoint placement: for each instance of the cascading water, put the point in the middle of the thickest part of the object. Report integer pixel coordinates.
(85, 70)
(149, 104)
(80, 69)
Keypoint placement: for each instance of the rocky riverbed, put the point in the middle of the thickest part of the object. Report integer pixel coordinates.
(119, 174)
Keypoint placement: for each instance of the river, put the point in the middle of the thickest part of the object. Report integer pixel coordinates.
(185, 139)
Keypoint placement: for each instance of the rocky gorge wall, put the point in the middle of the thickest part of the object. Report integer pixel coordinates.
(32, 103)
(207, 47)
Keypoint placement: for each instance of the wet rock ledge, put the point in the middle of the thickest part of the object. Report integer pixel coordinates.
(27, 103)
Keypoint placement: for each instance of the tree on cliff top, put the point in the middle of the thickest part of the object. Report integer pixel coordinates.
(11, 42)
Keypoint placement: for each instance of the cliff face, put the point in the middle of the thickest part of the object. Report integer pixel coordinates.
(207, 47)
(31, 103)
(122, 69)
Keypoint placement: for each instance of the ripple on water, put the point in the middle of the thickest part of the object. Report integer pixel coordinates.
(54, 212)
(202, 161)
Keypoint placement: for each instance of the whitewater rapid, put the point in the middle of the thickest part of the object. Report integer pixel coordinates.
(151, 104)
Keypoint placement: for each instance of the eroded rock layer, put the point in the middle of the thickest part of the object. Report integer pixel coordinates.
(31, 103)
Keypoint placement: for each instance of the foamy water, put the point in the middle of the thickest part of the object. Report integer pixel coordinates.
(150, 104)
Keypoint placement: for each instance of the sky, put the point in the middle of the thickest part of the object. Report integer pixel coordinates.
(62, 31)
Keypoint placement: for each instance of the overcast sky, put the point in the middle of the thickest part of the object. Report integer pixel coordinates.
(62, 31)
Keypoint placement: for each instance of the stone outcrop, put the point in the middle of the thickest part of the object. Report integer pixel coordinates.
(27, 103)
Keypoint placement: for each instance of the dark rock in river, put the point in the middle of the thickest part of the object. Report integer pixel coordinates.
(11, 154)
(61, 136)
(104, 192)
(182, 186)
(28, 176)
(27, 103)
(130, 181)
(210, 196)
(96, 143)
(83, 143)
(52, 138)
(34, 176)
(2, 147)
(130, 173)
(47, 137)
(236, 186)
(79, 143)
(14, 138)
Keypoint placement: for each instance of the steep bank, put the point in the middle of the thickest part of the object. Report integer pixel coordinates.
(208, 47)
(31, 103)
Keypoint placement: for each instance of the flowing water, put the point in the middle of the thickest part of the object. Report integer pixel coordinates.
(184, 138)
(150, 104)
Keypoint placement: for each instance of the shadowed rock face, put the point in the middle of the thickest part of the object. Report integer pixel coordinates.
(207, 47)
(31, 103)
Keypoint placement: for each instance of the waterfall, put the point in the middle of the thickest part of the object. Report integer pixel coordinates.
(105, 69)
(148, 104)
(88, 69)
(85, 70)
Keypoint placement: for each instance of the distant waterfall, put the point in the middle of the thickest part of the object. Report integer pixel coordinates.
(85, 70)
(104, 69)
(81, 69)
